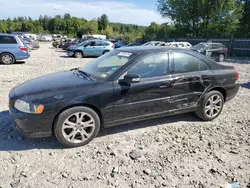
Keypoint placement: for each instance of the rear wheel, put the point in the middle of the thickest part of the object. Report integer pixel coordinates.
(221, 57)
(77, 126)
(78, 54)
(211, 106)
(7, 58)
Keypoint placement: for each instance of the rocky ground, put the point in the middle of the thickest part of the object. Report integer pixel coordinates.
(179, 151)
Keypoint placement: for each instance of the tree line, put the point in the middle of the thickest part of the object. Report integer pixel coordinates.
(184, 18)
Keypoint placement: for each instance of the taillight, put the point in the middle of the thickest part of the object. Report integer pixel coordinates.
(226, 50)
(23, 48)
(113, 46)
(237, 76)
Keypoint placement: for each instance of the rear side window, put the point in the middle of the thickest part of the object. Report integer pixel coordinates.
(184, 63)
(7, 40)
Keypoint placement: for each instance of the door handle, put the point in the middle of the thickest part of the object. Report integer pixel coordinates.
(165, 85)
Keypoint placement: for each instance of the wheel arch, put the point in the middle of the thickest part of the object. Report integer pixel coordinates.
(222, 90)
(96, 109)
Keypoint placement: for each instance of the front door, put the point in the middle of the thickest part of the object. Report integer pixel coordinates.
(148, 97)
(90, 49)
(190, 78)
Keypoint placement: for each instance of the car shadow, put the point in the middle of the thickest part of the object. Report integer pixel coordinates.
(65, 56)
(188, 117)
(12, 140)
(246, 85)
(16, 63)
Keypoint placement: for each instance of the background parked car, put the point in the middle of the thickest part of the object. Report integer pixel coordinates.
(90, 48)
(72, 42)
(12, 48)
(216, 51)
(120, 44)
(45, 38)
(185, 45)
(135, 44)
(154, 43)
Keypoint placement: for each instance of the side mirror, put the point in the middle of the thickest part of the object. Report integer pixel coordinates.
(130, 78)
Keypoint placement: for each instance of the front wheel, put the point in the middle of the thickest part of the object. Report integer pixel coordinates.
(211, 106)
(77, 126)
(78, 54)
(221, 57)
(7, 58)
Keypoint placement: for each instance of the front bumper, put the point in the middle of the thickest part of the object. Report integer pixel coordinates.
(30, 125)
(70, 53)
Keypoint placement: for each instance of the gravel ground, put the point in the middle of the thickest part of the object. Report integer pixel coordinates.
(179, 151)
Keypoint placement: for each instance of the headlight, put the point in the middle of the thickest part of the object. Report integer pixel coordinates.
(28, 108)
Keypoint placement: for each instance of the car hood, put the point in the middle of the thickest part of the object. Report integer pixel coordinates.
(51, 85)
(72, 47)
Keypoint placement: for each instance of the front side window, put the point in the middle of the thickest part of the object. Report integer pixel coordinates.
(106, 65)
(184, 63)
(151, 66)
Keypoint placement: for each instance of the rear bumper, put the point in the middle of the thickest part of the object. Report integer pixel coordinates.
(21, 57)
(232, 90)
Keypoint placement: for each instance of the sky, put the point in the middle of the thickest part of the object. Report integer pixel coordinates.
(141, 12)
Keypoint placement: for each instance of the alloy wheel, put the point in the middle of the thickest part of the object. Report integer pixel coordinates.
(78, 127)
(7, 59)
(213, 106)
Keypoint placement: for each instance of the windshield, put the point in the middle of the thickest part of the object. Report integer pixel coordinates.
(82, 43)
(106, 65)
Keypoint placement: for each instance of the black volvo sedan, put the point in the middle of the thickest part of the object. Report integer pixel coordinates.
(122, 86)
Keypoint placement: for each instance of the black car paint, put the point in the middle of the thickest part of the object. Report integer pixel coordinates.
(118, 103)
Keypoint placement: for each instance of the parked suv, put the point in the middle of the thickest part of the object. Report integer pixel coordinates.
(216, 51)
(90, 48)
(12, 48)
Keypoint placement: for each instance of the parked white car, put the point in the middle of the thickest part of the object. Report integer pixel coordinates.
(180, 44)
(46, 38)
(154, 43)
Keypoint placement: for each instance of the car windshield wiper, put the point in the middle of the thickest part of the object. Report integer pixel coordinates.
(88, 76)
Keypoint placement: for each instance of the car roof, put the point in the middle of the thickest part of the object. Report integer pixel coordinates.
(149, 49)
(6, 34)
(210, 43)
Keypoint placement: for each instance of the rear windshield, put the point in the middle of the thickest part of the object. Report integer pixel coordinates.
(7, 40)
(198, 46)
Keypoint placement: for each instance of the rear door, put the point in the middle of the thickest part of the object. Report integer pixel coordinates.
(100, 47)
(8, 44)
(191, 77)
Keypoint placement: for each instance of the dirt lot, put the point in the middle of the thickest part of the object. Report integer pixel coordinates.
(179, 151)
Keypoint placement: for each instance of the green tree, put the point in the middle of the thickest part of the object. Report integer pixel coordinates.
(200, 18)
(103, 22)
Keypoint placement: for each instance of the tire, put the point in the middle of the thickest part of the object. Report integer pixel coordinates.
(7, 58)
(212, 102)
(72, 134)
(78, 54)
(221, 57)
(106, 51)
